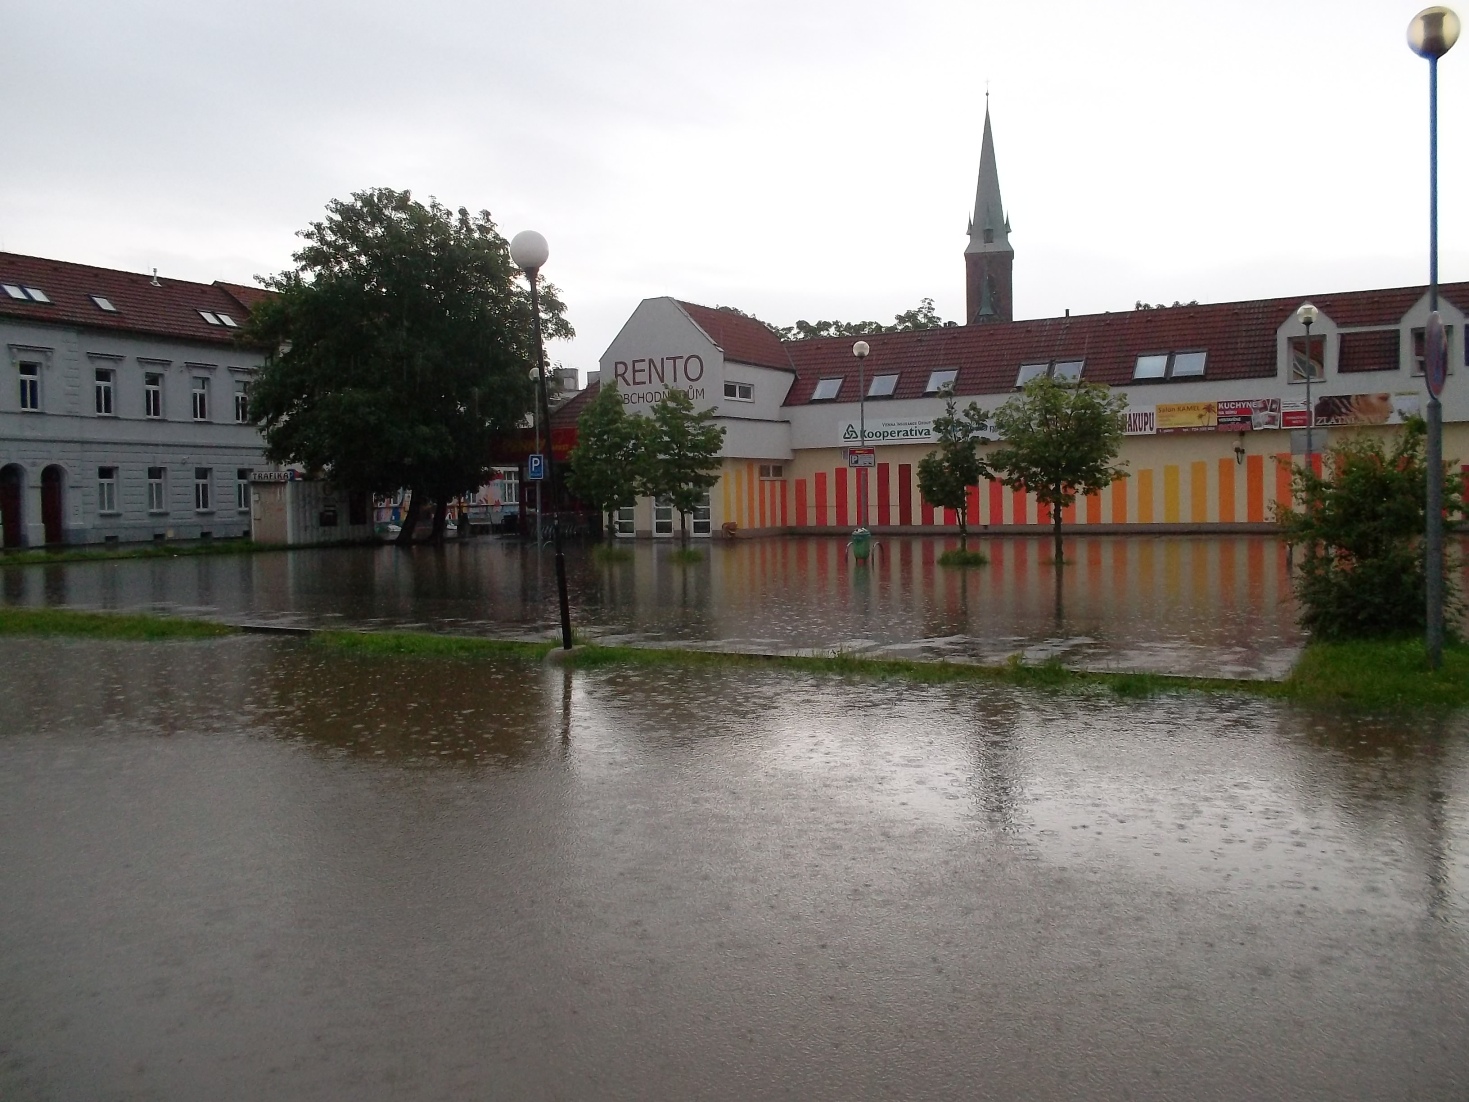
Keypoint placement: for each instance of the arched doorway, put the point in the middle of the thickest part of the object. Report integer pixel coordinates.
(12, 504)
(53, 491)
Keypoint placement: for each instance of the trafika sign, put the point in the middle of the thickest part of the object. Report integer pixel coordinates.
(646, 380)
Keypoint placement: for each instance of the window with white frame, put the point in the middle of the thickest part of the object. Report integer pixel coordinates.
(242, 489)
(1307, 362)
(106, 489)
(941, 380)
(663, 516)
(701, 522)
(157, 497)
(1420, 343)
(106, 380)
(242, 402)
(30, 386)
(882, 386)
(772, 470)
(826, 390)
(203, 499)
(152, 394)
(201, 399)
(1064, 370)
(739, 392)
(623, 521)
(509, 486)
(1168, 365)
(26, 294)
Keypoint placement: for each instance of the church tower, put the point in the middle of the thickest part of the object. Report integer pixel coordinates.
(988, 259)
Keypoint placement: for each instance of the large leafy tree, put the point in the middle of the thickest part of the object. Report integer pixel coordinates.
(1060, 441)
(399, 348)
(681, 459)
(946, 473)
(606, 465)
(1362, 529)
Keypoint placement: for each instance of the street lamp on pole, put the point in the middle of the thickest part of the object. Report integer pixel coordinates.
(860, 350)
(1308, 315)
(1431, 34)
(529, 251)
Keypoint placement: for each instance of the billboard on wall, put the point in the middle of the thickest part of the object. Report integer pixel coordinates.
(1294, 415)
(909, 430)
(1367, 409)
(1187, 417)
(1248, 414)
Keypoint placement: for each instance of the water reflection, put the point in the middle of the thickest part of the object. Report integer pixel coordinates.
(399, 878)
(1189, 605)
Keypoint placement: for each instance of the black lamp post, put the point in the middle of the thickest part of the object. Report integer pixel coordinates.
(1431, 34)
(529, 251)
(1308, 314)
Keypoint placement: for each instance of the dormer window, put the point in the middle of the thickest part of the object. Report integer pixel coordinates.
(941, 380)
(1419, 341)
(826, 390)
(882, 386)
(1169, 365)
(1307, 363)
(103, 303)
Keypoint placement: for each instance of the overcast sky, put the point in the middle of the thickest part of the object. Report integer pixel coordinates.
(794, 158)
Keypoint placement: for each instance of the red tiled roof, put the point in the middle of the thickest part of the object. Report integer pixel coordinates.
(1238, 336)
(569, 411)
(169, 309)
(248, 297)
(741, 339)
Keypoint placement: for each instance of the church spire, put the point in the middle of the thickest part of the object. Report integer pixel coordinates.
(988, 257)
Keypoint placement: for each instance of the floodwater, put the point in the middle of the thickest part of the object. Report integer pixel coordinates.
(1216, 606)
(253, 869)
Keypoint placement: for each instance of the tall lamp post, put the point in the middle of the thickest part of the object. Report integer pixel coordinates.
(529, 251)
(1307, 315)
(860, 350)
(1431, 34)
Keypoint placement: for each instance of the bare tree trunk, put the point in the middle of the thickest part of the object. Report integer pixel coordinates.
(1056, 530)
(963, 515)
(683, 529)
(441, 511)
(410, 519)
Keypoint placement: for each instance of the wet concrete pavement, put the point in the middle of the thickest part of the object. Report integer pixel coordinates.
(1209, 606)
(253, 869)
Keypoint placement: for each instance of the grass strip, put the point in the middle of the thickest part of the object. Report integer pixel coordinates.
(424, 644)
(46, 556)
(105, 625)
(1380, 674)
(955, 557)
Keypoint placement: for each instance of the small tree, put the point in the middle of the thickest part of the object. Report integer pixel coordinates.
(682, 455)
(1362, 531)
(946, 473)
(608, 458)
(1060, 439)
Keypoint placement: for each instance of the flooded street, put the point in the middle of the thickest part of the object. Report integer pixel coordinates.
(252, 868)
(1212, 606)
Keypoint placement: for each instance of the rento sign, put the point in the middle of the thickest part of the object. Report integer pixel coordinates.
(666, 372)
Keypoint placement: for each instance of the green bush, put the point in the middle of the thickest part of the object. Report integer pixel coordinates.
(1359, 531)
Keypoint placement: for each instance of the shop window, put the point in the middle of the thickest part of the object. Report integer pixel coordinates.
(700, 523)
(663, 517)
(106, 490)
(30, 386)
(105, 378)
(826, 390)
(941, 380)
(882, 386)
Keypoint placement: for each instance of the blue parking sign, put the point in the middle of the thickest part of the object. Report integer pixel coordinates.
(535, 469)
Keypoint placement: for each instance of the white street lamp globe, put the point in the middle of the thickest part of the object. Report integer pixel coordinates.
(860, 350)
(1308, 314)
(1433, 31)
(529, 250)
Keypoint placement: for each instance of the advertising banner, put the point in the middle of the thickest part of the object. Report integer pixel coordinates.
(1367, 409)
(911, 431)
(1187, 417)
(1140, 421)
(1248, 414)
(1294, 415)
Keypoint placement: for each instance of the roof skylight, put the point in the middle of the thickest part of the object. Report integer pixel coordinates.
(1031, 371)
(210, 318)
(826, 390)
(103, 303)
(228, 321)
(882, 386)
(37, 295)
(941, 379)
(1164, 365)
(14, 292)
